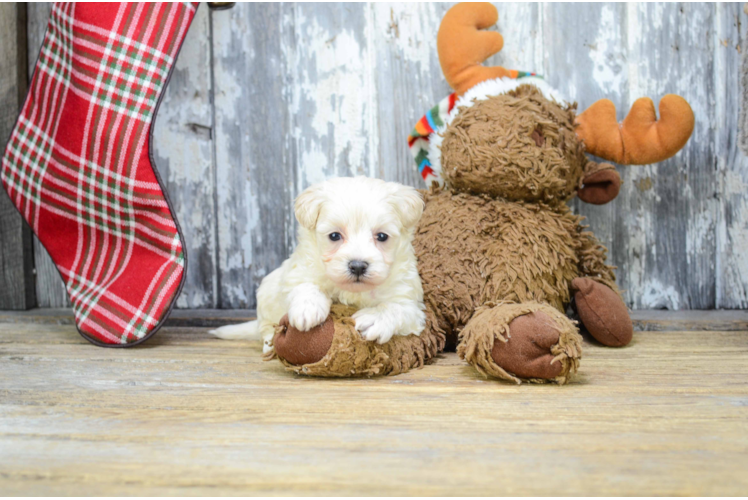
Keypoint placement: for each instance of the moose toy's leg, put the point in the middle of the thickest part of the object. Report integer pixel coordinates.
(530, 341)
(596, 299)
(336, 349)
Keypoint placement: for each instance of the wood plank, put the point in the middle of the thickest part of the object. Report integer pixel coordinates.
(732, 232)
(16, 257)
(285, 117)
(651, 321)
(661, 229)
(255, 149)
(408, 81)
(586, 65)
(183, 150)
(665, 230)
(50, 289)
(188, 414)
(743, 75)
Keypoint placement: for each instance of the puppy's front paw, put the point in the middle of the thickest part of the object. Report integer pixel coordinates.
(308, 310)
(374, 325)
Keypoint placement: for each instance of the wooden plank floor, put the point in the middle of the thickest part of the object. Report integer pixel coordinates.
(188, 414)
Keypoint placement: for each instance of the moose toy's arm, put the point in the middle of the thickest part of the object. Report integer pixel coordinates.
(597, 299)
(592, 255)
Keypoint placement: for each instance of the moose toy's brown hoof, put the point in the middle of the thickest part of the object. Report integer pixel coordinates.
(527, 352)
(303, 348)
(602, 312)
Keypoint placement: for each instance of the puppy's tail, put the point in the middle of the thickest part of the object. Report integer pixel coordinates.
(242, 331)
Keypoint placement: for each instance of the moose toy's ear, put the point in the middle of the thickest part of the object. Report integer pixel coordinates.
(600, 184)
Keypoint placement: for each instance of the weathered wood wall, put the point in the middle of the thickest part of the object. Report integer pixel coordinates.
(16, 255)
(269, 98)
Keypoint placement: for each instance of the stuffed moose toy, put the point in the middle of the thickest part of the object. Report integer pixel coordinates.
(500, 254)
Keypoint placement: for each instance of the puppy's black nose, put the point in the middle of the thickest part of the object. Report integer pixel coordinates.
(358, 267)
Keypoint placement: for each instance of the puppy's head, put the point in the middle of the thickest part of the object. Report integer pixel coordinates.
(361, 227)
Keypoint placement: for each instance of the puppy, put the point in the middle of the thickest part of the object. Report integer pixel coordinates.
(354, 248)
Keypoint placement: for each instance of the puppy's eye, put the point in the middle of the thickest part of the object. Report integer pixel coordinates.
(335, 236)
(382, 237)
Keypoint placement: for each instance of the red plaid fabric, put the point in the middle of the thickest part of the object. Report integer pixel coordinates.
(78, 164)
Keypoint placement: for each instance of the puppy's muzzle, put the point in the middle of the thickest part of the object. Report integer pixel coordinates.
(358, 268)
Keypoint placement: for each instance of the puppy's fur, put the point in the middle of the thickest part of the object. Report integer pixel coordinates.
(355, 248)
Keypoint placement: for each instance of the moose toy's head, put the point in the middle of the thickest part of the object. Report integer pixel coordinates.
(508, 134)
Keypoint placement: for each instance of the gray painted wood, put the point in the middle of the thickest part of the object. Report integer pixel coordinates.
(586, 65)
(16, 256)
(255, 146)
(270, 98)
(183, 151)
(709, 322)
(50, 289)
(731, 23)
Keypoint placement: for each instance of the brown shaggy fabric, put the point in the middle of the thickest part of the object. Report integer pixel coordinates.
(350, 355)
(499, 243)
(475, 249)
(518, 146)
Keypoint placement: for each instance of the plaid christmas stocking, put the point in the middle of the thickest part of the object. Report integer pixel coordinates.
(78, 164)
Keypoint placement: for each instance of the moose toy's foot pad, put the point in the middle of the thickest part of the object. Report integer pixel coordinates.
(527, 352)
(530, 341)
(78, 165)
(602, 312)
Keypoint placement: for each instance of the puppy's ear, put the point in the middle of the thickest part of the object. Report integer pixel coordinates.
(408, 204)
(308, 206)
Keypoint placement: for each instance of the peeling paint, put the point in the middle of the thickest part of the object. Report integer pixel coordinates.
(607, 57)
(655, 295)
(329, 98)
(344, 84)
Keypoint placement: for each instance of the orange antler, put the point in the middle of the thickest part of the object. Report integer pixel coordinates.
(462, 47)
(641, 138)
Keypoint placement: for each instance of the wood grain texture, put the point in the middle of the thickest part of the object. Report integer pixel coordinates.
(671, 207)
(302, 92)
(355, 78)
(50, 289)
(730, 45)
(187, 415)
(644, 321)
(183, 151)
(16, 254)
(255, 150)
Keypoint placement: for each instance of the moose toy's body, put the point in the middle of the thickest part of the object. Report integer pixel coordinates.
(500, 254)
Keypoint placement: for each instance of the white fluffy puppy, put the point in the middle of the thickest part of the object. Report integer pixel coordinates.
(355, 248)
